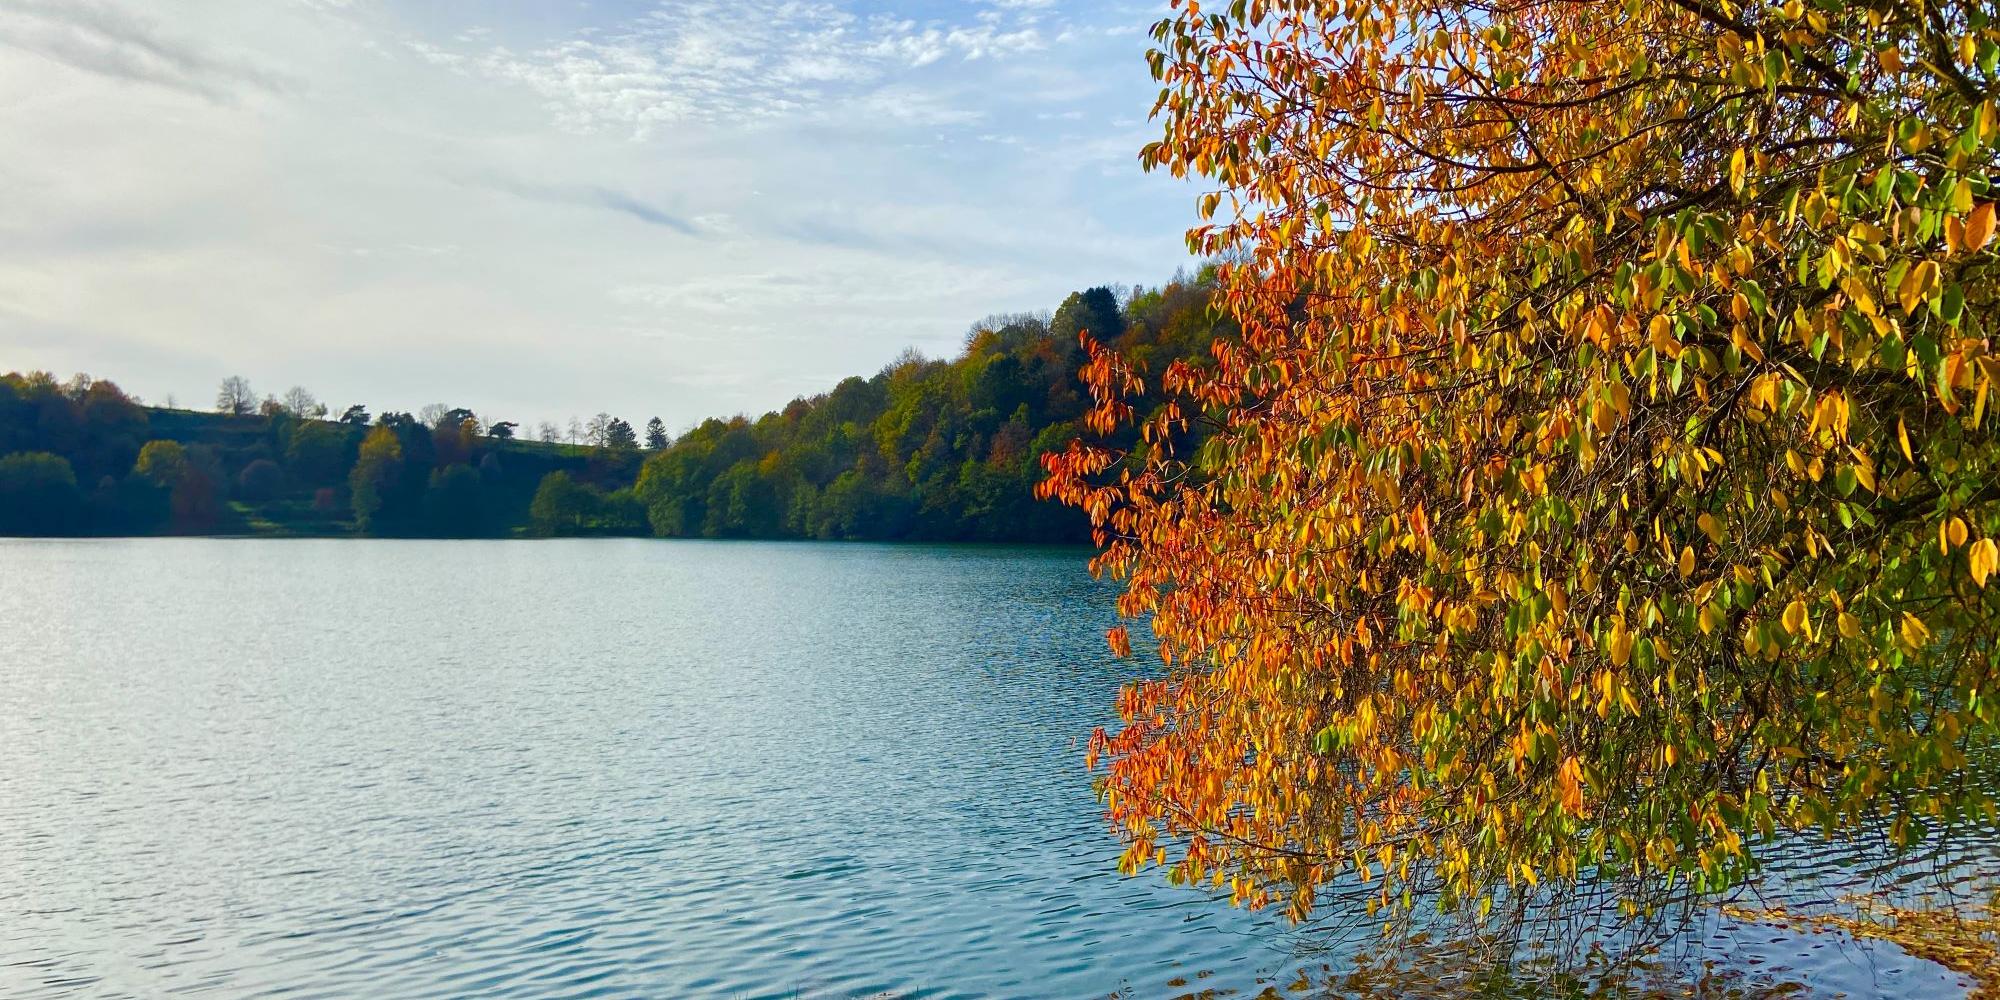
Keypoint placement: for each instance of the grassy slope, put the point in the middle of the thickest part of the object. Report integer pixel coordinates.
(238, 441)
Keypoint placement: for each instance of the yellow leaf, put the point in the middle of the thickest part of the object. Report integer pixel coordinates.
(1956, 530)
(1914, 632)
(1983, 559)
(1795, 615)
(1661, 332)
(1711, 616)
(1903, 435)
(1916, 286)
(1687, 561)
(1621, 645)
(1710, 527)
(1737, 171)
(1850, 626)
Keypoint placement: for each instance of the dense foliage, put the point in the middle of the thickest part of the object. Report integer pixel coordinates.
(82, 457)
(1604, 481)
(925, 449)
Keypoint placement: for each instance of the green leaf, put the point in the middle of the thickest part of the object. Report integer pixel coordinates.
(1755, 293)
(1951, 305)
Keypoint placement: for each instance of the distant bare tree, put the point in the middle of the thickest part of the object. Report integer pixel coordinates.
(575, 431)
(301, 403)
(172, 403)
(235, 396)
(910, 360)
(430, 415)
(598, 431)
(548, 433)
(77, 386)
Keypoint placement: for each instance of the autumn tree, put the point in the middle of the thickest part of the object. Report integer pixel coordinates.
(453, 437)
(189, 479)
(1601, 486)
(374, 475)
(161, 463)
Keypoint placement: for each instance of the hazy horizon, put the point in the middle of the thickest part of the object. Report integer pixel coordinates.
(675, 209)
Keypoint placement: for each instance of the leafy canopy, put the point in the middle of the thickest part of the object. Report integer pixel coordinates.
(1604, 482)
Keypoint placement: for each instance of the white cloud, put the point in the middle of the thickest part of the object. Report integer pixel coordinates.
(686, 209)
(848, 285)
(97, 37)
(711, 61)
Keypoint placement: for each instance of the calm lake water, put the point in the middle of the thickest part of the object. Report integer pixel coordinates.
(601, 768)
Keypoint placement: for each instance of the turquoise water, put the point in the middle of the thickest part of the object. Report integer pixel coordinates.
(594, 768)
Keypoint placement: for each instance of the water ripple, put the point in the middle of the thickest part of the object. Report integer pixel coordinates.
(418, 769)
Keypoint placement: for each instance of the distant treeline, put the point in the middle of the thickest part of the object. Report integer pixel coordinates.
(925, 449)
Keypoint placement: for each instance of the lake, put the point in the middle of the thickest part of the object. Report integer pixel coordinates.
(602, 768)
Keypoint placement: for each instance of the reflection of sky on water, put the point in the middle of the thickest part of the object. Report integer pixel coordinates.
(625, 768)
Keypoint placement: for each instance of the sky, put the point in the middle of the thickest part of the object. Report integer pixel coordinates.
(540, 209)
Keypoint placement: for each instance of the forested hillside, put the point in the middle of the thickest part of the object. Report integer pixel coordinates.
(924, 449)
